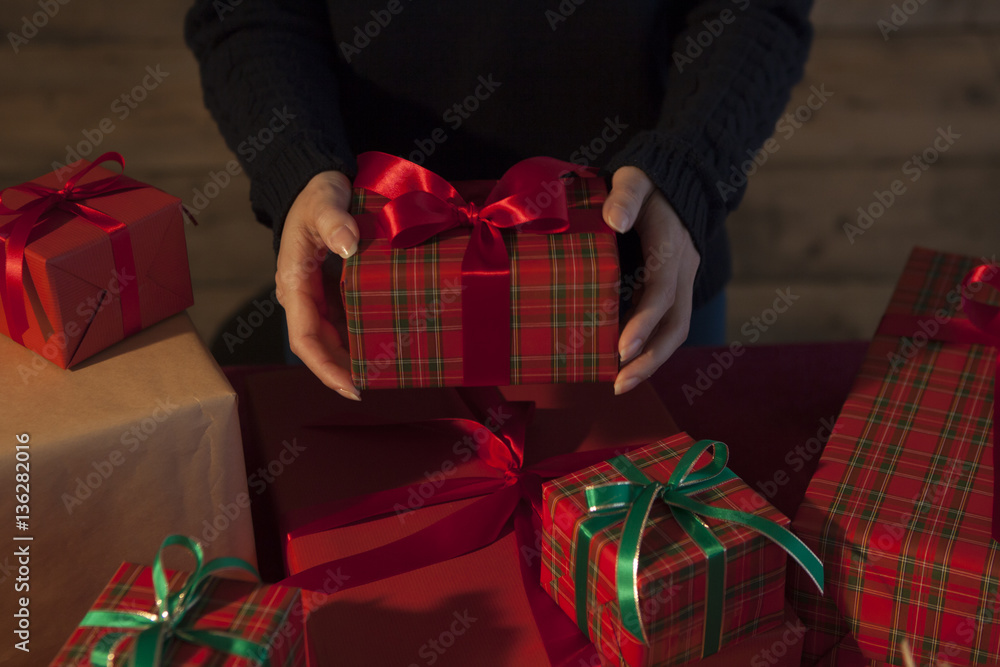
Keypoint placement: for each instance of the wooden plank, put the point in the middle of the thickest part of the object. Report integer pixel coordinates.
(59, 97)
(821, 311)
(108, 21)
(214, 307)
(888, 99)
(986, 13)
(228, 246)
(863, 15)
(791, 223)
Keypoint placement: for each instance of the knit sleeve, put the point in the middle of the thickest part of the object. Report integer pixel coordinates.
(727, 67)
(267, 73)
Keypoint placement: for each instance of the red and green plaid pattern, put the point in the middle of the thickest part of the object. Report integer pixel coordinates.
(900, 507)
(404, 307)
(671, 566)
(271, 615)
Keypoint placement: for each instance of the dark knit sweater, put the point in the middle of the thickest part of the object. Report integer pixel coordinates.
(684, 89)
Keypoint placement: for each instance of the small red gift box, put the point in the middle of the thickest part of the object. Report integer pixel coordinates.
(663, 583)
(437, 296)
(89, 261)
(902, 504)
(159, 617)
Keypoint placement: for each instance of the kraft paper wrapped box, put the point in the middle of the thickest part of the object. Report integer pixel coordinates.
(139, 441)
(902, 505)
(482, 283)
(651, 554)
(95, 257)
(187, 612)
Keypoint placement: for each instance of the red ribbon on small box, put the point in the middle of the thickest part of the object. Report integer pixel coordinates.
(30, 218)
(530, 197)
(981, 328)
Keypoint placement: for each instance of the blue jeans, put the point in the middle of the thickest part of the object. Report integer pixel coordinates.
(708, 323)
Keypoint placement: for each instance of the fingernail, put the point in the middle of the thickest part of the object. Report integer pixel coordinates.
(621, 386)
(630, 350)
(344, 242)
(349, 393)
(618, 218)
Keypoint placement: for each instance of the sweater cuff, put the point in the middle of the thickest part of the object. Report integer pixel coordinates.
(674, 169)
(274, 187)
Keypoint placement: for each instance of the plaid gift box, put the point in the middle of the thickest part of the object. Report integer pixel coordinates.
(900, 507)
(686, 604)
(89, 260)
(405, 306)
(266, 620)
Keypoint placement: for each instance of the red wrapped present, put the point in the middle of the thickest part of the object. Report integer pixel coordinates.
(89, 261)
(653, 557)
(149, 616)
(902, 505)
(374, 446)
(437, 296)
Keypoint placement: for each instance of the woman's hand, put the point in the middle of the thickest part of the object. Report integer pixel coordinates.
(318, 221)
(661, 320)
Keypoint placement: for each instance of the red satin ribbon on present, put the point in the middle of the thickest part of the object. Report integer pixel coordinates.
(514, 493)
(69, 198)
(530, 197)
(981, 328)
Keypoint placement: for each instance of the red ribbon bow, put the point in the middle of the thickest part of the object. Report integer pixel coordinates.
(517, 495)
(69, 198)
(530, 197)
(981, 328)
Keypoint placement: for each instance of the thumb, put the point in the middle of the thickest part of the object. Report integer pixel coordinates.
(630, 187)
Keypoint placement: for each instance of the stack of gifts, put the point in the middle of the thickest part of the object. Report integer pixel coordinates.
(904, 508)
(545, 522)
(432, 521)
(140, 438)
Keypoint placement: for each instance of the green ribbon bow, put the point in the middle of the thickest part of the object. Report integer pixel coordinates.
(158, 628)
(632, 501)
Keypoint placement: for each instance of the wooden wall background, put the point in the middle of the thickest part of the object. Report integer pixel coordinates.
(940, 69)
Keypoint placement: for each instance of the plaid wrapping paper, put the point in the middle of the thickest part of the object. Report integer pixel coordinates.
(404, 307)
(268, 614)
(672, 577)
(900, 506)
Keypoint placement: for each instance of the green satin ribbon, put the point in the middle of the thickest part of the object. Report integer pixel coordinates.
(632, 501)
(166, 623)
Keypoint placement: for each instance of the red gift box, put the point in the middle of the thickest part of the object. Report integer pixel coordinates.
(671, 595)
(901, 505)
(437, 296)
(374, 447)
(101, 256)
(267, 620)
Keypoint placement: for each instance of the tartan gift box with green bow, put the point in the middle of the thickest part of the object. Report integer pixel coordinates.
(663, 555)
(148, 617)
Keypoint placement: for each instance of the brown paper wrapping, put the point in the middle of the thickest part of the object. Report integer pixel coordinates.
(138, 442)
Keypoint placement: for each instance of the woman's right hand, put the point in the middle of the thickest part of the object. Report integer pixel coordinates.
(317, 222)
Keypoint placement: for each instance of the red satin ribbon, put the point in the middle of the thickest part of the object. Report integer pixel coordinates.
(530, 197)
(18, 232)
(514, 493)
(981, 328)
